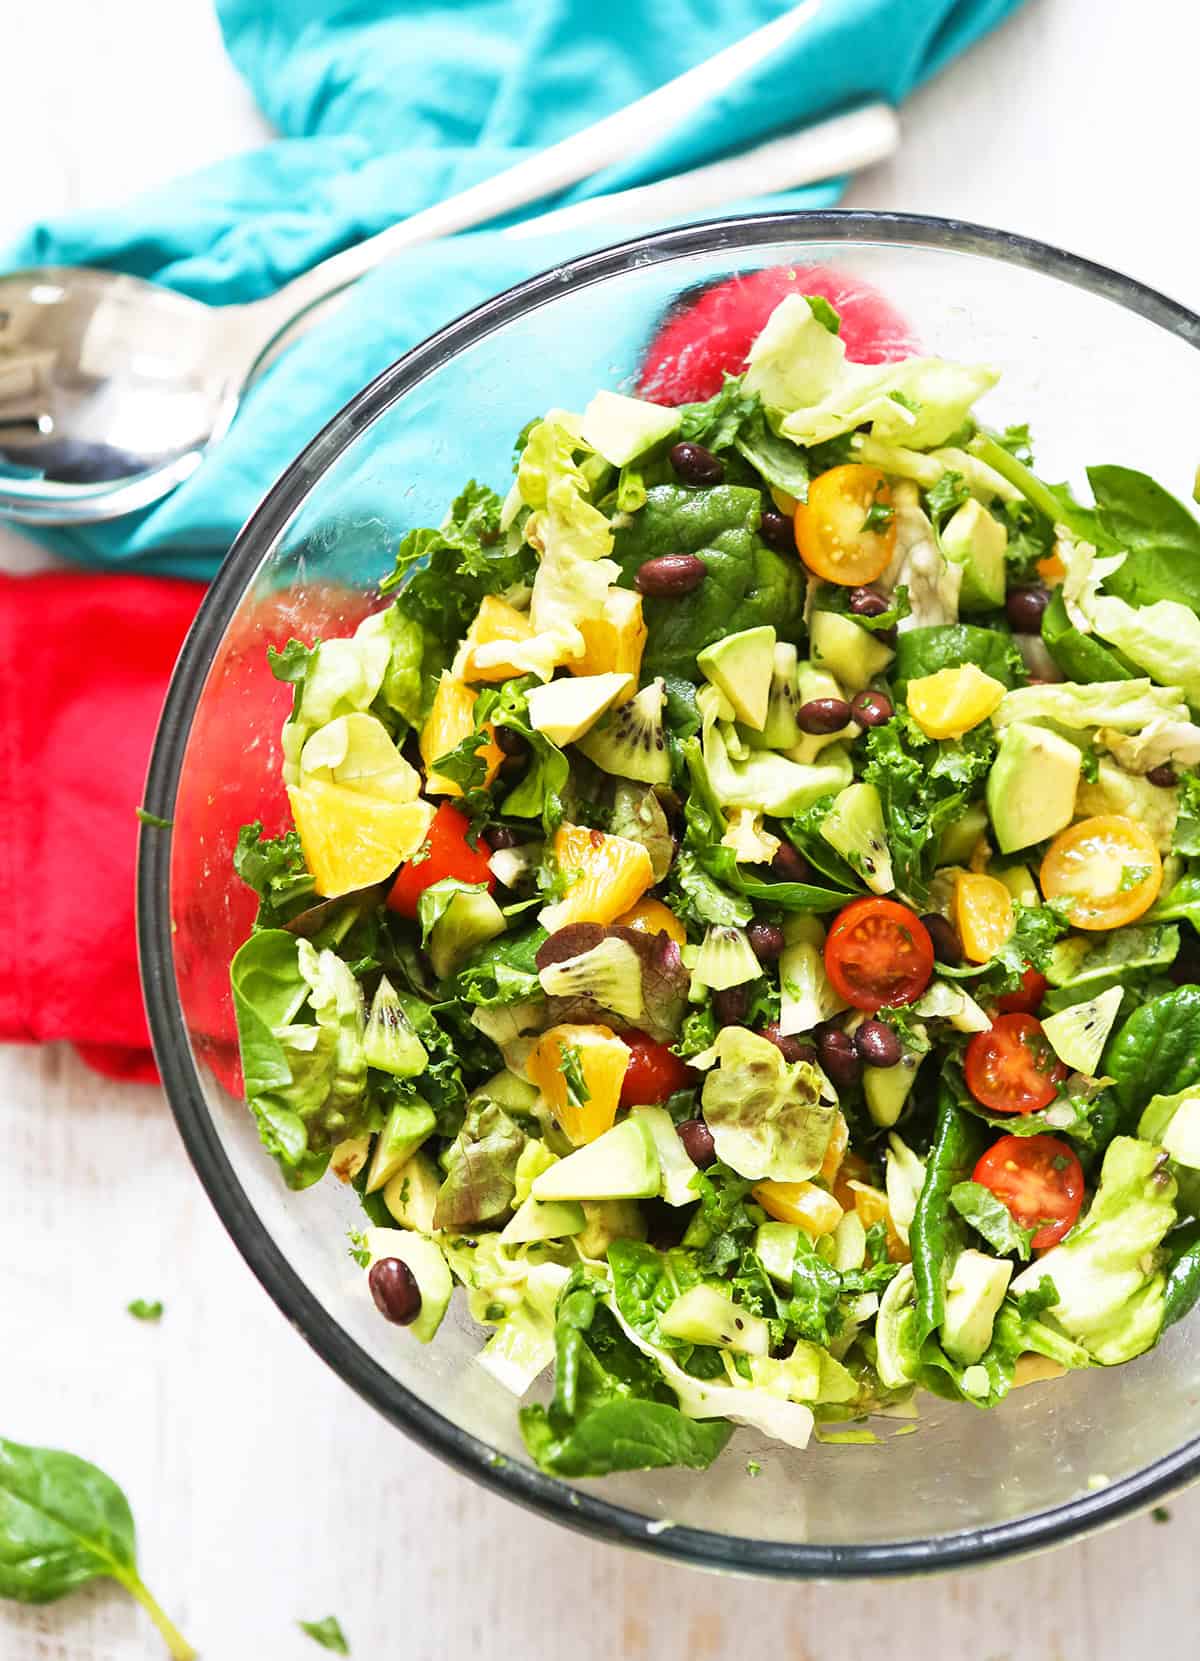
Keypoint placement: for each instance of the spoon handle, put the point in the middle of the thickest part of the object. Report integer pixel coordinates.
(612, 139)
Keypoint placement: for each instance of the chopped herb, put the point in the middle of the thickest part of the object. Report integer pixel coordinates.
(143, 1310)
(327, 1633)
(578, 1093)
(753, 1468)
(153, 820)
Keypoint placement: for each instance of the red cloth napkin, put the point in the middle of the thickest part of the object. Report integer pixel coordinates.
(84, 666)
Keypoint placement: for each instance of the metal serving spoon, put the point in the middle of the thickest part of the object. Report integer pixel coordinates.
(112, 388)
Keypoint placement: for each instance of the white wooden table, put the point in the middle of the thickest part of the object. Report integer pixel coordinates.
(265, 1491)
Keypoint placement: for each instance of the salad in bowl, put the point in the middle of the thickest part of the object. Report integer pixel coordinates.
(738, 920)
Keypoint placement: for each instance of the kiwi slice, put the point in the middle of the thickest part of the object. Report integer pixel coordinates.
(781, 729)
(854, 827)
(1079, 1032)
(630, 741)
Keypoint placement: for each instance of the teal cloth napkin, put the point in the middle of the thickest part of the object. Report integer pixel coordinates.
(384, 106)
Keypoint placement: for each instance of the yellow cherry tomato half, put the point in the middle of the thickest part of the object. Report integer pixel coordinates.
(1107, 867)
(846, 531)
(983, 913)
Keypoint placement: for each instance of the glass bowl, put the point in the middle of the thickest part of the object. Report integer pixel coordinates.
(1102, 369)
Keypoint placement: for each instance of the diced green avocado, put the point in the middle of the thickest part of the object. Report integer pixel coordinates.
(1079, 1033)
(850, 653)
(1031, 787)
(678, 1172)
(725, 958)
(1174, 1123)
(535, 1220)
(702, 1315)
(780, 730)
(424, 1257)
(849, 1243)
(508, 1090)
(976, 541)
(622, 1164)
(606, 1221)
(817, 683)
(390, 1043)
(565, 709)
(411, 1194)
(959, 839)
(1113, 790)
(1020, 884)
(468, 920)
(621, 429)
(854, 828)
(775, 1244)
(741, 666)
(888, 1088)
(610, 972)
(407, 1126)
(974, 1293)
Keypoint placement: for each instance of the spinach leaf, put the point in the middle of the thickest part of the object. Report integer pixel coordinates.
(1160, 534)
(142, 1309)
(1183, 1273)
(746, 584)
(327, 1633)
(611, 1409)
(991, 1218)
(780, 462)
(1081, 657)
(502, 971)
(1180, 902)
(1186, 839)
(1156, 1052)
(274, 867)
(936, 1235)
(64, 1522)
(945, 646)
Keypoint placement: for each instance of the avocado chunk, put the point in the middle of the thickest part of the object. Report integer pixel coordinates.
(606, 1221)
(850, 653)
(470, 918)
(1079, 1033)
(622, 1164)
(678, 1172)
(1174, 1123)
(775, 1244)
(976, 542)
(1031, 787)
(1020, 884)
(742, 666)
(570, 706)
(853, 827)
(888, 1088)
(406, 1127)
(507, 1090)
(702, 1315)
(974, 1293)
(424, 1257)
(411, 1194)
(542, 1220)
(621, 429)
(1113, 790)
(959, 839)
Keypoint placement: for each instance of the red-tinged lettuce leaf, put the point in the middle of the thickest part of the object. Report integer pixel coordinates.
(665, 981)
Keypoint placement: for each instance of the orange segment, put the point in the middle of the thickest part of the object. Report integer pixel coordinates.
(983, 912)
(1051, 570)
(450, 721)
(839, 1141)
(814, 1209)
(351, 840)
(952, 701)
(495, 621)
(602, 1059)
(613, 643)
(605, 876)
(871, 1206)
(652, 917)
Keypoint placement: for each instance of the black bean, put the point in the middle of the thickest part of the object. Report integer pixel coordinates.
(1024, 608)
(502, 836)
(730, 1006)
(395, 1290)
(823, 715)
(789, 865)
(839, 1057)
(868, 602)
(697, 1142)
(871, 709)
(766, 941)
(510, 742)
(791, 1048)
(696, 465)
(1164, 776)
(877, 1044)
(777, 532)
(946, 945)
(669, 575)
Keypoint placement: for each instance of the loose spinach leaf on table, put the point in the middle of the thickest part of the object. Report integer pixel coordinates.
(1160, 536)
(63, 1522)
(746, 584)
(1156, 1052)
(327, 1633)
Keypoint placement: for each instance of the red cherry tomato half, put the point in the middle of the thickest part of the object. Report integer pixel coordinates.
(445, 853)
(1029, 999)
(1039, 1179)
(654, 1072)
(1011, 1067)
(878, 954)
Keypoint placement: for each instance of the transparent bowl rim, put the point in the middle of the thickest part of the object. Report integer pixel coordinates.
(584, 1511)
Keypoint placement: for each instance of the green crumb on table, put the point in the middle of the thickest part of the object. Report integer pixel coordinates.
(753, 1468)
(1160, 1514)
(143, 1310)
(327, 1633)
